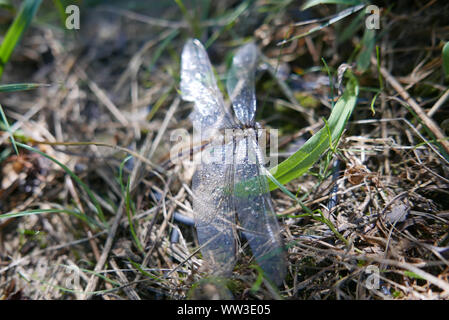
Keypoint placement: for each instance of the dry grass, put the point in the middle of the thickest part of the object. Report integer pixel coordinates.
(115, 84)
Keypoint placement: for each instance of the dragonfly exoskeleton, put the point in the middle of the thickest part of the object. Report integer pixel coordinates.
(230, 183)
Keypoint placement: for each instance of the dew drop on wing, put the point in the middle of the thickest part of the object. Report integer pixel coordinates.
(255, 209)
(198, 85)
(214, 215)
(240, 83)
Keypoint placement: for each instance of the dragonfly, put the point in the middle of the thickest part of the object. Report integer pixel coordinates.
(230, 181)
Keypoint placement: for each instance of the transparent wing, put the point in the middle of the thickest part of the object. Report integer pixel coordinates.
(214, 211)
(213, 208)
(255, 209)
(198, 85)
(240, 83)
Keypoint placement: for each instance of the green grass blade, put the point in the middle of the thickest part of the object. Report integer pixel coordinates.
(331, 82)
(298, 163)
(120, 173)
(21, 86)
(33, 212)
(16, 30)
(76, 214)
(145, 273)
(373, 102)
(130, 214)
(381, 81)
(446, 59)
(333, 19)
(73, 175)
(128, 204)
(230, 18)
(257, 284)
(313, 3)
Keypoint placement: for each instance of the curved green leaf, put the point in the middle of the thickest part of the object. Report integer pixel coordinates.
(16, 30)
(298, 163)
